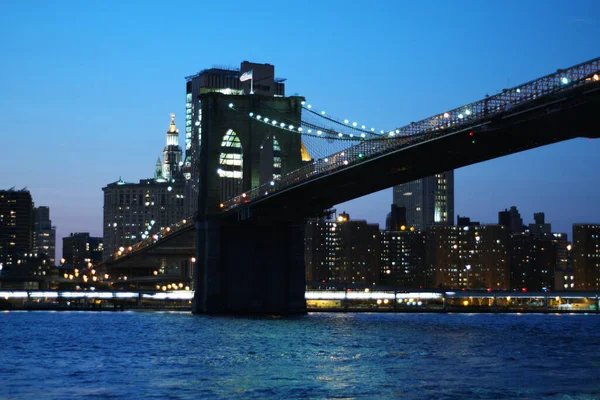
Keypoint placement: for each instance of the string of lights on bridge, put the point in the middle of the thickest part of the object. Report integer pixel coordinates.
(321, 132)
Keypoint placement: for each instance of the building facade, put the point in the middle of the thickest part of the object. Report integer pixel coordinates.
(586, 256)
(135, 211)
(44, 233)
(402, 258)
(428, 201)
(533, 262)
(80, 250)
(342, 251)
(470, 257)
(16, 228)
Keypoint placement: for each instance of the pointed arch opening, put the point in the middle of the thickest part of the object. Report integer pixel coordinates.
(231, 166)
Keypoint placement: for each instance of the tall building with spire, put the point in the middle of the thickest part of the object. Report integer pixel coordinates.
(135, 211)
(171, 165)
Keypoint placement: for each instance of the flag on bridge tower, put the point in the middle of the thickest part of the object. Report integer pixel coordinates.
(246, 76)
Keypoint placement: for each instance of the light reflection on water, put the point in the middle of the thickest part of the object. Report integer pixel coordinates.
(60, 355)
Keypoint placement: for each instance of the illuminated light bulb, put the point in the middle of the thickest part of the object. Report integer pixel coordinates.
(319, 132)
(518, 90)
(362, 135)
(326, 159)
(322, 112)
(198, 122)
(299, 129)
(309, 106)
(372, 129)
(291, 127)
(302, 102)
(446, 115)
(382, 132)
(251, 114)
(354, 124)
(351, 135)
(468, 112)
(362, 127)
(564, 80)
(310, 131)
(258, 117)
(340, 134)
(397, 131)
(274, 122)
(282, 124)
(266, 119)
(345, 162)
(230, 105)
(272, 183)
(460, 116)
(596, 77)
(346, 121)
(243, 194)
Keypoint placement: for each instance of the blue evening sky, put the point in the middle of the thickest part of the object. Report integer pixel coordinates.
(86, 88)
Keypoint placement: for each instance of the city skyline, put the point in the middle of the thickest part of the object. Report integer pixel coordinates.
(91, 109)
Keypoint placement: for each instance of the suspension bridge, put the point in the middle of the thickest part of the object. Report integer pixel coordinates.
(247, 213)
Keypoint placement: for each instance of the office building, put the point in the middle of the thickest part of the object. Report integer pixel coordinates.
(402, 258)
(44, 233)
(16, 227)
(428, 201)
(80, 250)
(533, 262)
(469, 257)
(586, 256)
(136, 211)
(511, 219)
(342, 251)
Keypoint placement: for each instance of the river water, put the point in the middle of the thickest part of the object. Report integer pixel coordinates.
(176, 355)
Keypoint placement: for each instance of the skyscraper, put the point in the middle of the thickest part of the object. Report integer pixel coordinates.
(135, 211)
(428, 201)
(16, 227)
(586, 256)
(45, 233)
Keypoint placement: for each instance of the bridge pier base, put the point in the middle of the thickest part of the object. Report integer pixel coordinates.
(252, 267)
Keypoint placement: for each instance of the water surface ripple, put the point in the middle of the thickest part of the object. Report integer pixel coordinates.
(175, 355)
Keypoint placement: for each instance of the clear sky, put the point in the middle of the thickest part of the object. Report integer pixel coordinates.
(86, 88)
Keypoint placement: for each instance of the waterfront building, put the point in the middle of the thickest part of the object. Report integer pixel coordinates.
(44, 233)
(428, 201)
(135, 211)
(342, 251)
(470, 257)
(586, 256)
(80, 250)
(16, 228)
(402, 258)
(532, 262)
